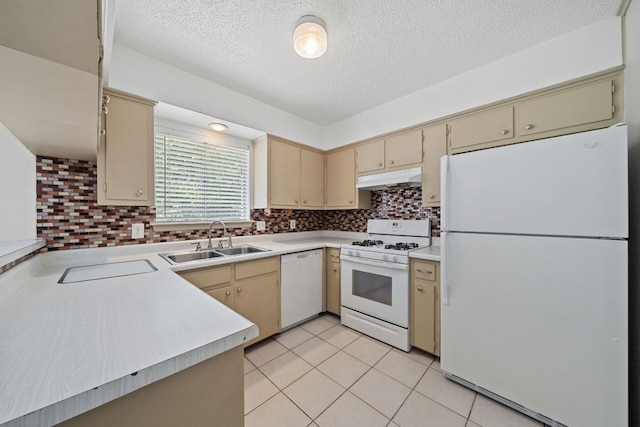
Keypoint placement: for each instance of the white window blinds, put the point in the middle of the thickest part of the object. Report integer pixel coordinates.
(200, 181)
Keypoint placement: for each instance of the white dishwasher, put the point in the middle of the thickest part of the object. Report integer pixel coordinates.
(300, 286)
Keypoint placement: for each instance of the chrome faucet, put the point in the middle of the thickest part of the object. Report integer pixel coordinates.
(224, 227)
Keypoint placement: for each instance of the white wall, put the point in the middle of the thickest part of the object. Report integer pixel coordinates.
(136, 73)
(17, 189)
(632, 117)
(586, 51)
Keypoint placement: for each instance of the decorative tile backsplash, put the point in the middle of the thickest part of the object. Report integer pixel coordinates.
(68, 216)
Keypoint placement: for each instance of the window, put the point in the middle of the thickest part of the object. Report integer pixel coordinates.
(199, 180)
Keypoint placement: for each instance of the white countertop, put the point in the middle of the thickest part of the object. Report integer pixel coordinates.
(431, 253)
(67, 348)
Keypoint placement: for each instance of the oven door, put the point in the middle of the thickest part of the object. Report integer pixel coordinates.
(376, 288)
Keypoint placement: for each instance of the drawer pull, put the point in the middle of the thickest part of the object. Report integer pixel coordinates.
(528, 127)
(425, 272)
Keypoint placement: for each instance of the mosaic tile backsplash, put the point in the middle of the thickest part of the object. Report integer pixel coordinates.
(68, 216)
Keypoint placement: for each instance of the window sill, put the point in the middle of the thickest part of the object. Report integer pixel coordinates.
(198, 225)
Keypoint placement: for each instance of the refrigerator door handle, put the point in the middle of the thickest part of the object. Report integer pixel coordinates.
(444, 173)
(443, 269)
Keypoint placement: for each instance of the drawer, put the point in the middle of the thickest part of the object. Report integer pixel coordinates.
(208, 277)
(334, 255)
(424, 270)
(257, 268)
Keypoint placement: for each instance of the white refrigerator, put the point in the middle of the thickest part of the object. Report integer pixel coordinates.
(534, 276)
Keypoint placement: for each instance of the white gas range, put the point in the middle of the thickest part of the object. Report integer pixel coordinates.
(375, 279)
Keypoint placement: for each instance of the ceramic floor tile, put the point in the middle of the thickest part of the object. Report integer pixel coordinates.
(448, 393)
(264, 352)
(472, 424)
(278, 411)
(392, 424)
(317, 325)
(418, 356)
(367, 350)
(419, 411)
(294, 337)
(338, 336)
(343, 368)
(315, 351)
(436, 364)
(489, 413)
(314, 392)
(285, 369)
(257, 390)
(381, 392)
(402, 368)
(248, 366)
(349, 411)
(330, 317)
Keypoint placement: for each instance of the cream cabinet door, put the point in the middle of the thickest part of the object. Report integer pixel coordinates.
(312, 179)
(258, 300)
(425, 306)
(403, 149)
(225, 295)
(125, 155)
(333, 281)
(341, 179)
(481, 130)
(284, 174)
(435, 146)
(370, 156)
(573, 107)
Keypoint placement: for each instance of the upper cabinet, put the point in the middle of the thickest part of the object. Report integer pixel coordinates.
(125, 153)
(586, 105)
(398, 151)
(51, 75)
(341, 182)
(435, 146)
(287, 175)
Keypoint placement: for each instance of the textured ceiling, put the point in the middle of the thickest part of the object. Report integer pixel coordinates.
(379, 50)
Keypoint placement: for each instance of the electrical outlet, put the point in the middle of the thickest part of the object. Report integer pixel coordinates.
(137, 231)
(261, 225)
(292, 224)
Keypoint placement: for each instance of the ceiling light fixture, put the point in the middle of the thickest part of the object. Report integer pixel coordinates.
(218, 127)
(310, 37)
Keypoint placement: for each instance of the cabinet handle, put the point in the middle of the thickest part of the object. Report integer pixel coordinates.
(420, 288)
(505, 131)
(391, 162)
(139, 193)
(335, 270)
(528, 127)
(239, 290)
(103, 132)
(227, 293)
(304, 202)
(425, 272)
(432, 196)
(350, 202)
(379, 163)
(296, 201)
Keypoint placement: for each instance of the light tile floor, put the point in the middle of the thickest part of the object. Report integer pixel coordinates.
(324, 374)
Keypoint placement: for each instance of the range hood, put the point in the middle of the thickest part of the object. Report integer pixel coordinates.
(383, 181)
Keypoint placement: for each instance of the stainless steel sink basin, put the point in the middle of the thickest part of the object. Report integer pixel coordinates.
(188, 256)
(241, 250)
(180, 257)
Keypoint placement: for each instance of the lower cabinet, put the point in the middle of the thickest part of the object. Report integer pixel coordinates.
(425, 306)
(210, 393)
(251, 288)
(332, 274)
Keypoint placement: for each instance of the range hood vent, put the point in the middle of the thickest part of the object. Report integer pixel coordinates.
(383, 181)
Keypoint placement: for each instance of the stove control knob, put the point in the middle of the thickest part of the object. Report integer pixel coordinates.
(357, 253)
(350, 253)
(395, 258)
(385, 257)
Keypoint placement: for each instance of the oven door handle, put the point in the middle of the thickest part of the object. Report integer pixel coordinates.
(381, 264)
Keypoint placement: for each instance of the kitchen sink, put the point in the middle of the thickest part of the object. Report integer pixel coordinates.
(241, 250)
(180, 257)
(188, 256)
